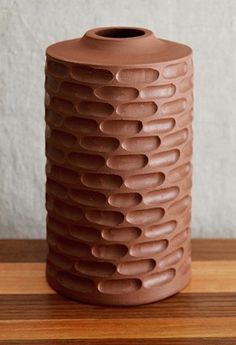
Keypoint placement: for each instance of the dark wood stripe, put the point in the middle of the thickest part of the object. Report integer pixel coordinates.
(35, 250)
(213, 249)
(23, 250)
(56, 307)
(107, 341)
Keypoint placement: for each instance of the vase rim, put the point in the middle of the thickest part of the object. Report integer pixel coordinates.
(118, 33)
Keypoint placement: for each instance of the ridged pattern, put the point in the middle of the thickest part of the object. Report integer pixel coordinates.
(119, 146)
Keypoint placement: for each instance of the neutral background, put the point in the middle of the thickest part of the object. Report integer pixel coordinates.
(27, 27)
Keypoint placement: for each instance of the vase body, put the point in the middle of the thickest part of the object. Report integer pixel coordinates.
(119, 146)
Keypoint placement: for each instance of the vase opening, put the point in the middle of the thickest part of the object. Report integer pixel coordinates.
(120, 32)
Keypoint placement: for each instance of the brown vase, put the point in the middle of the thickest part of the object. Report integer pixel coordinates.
(119, 147)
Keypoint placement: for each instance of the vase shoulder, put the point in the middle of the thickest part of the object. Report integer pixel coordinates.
(118, 46)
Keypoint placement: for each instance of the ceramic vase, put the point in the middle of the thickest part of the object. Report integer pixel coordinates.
(119, 146)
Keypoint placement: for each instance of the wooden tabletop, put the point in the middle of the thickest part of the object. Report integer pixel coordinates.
(33, 314)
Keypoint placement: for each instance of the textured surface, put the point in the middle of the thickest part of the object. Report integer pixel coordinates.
(23, 41)
(203, 314)
(128, 244)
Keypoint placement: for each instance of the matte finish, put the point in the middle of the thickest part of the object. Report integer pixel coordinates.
(202, 314)
(119, 147)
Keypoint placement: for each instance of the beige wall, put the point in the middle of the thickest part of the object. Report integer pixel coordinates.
(27, 27)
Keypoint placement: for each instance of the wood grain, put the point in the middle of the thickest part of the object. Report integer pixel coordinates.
(119, 328)
(31, 313)
(139, 341)
(29, 278)
(27, 307)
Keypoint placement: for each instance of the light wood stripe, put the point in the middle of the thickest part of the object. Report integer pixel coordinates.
(213, 276)
(29, 278)
(119, 328)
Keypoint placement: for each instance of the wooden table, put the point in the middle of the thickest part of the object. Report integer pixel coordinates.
(32, 314)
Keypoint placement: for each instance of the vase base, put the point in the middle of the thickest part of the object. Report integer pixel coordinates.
(143, 296)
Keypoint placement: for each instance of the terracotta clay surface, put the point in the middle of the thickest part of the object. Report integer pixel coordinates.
(119, 146)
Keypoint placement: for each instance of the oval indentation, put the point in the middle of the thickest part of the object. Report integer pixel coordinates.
(110, 251)
(180, 206)
(100, 144)
(143, 217)
(175, 139)
(158, 279)
(187, 150)
(87, 198)
(121, 234)
(57, 69)
(55, 154)
(85, 233)
(97, 109)
(102, 181)
(179, 173)
(71, 248)
(145, 181)
(53, 118)
(186, 219)
(91, 75)
(175, 70)
(121, 286)
(51, 239)
(108, 218)
(67, 211)
(56, 189)
(116, 93)
(59, 261)
(52, 84)
(63, 138)
(64, 175)
(75, 90)
(136, 267)
(79, 125)
(171, 259)
(186, 84)
(187, 183)
(95, 269)
(47, 99)
(121, 127)
(180, 238)
(49, 202)
(161, 229)
(185, 119)
(164, 159)
(125, 199)
(161, 196)
(148, 248)
(137, 75)
(159, 126)
(137, 109)
(185, 267)
(86, 161)
(159, 91)
(62, 105)
(127, 162)
(141, 144)
(74, 283)
(51, 270)
(174, 107)
(56, 226)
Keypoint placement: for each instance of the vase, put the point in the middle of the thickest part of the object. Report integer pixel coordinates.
(119, 146)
